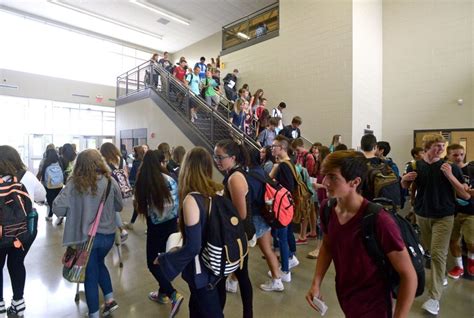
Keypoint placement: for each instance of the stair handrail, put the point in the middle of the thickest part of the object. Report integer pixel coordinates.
(236, 132)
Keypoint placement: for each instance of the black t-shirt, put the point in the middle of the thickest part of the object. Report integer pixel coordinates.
(290, 132)
(285, 177)
(435, 196)
(468, 176)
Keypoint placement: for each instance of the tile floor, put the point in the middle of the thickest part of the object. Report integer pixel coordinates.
(47, 294)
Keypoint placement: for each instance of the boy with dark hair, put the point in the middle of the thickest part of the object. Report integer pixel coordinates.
(417, 153)
(382, 150)
(230, 85)
(436, 182)
(368, 143)
(292, 131)
(277, 112)
(266, 137)
(362, 288)
(202, 68)
(464, 220)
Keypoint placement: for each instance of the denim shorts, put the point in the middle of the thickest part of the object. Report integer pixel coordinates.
(261, 226)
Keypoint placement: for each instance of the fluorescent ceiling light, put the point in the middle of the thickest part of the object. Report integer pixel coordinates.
(8, 86)
(104, 18)
(243, 36)
(161, 11)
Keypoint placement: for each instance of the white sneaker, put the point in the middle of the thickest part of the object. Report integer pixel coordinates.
(445, 282)
(231, 285)
(431, 306)
(293, 262)
(48, 218)
(273, 285)
(285, 276)
(253, 241)
(123, 236)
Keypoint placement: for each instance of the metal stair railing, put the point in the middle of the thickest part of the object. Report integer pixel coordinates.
(212, 123)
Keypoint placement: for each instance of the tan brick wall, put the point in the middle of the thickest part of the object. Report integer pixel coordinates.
(208, 47)
(309, 66)
(428, 64)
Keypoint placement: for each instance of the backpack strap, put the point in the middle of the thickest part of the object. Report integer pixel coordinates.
(264, 179)
(369, 234)
(293, 170)
(20, 174)
(330, 203)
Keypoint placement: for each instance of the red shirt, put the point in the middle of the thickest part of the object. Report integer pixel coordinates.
(307, 160)
(259, 111)
(362, 289)
(179, 73)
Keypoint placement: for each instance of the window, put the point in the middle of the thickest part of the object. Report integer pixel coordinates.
(39, 48)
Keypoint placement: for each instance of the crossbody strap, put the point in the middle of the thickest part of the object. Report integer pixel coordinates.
(95, 224)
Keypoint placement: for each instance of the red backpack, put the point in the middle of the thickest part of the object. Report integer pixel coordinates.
(279, 206)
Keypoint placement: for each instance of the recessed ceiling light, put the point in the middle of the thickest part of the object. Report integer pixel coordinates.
(243, 36)
(8, 86)
(104, 18)
(161, 11)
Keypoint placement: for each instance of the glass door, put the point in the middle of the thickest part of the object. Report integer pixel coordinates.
(36, 148)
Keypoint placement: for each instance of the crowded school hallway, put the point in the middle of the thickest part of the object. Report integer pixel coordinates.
(210, 159)
(49, 295)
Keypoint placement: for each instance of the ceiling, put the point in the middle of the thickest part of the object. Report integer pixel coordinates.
(126, 21)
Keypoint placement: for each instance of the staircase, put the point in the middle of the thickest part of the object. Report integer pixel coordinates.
(175, 99)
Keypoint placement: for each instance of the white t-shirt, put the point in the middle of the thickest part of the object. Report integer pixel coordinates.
(277, 113)
(35, 189)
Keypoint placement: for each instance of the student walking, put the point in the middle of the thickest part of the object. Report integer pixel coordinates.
(195, 186)
(79, 201)
(362, 288)
(12, 165)
(156, 197)
(232, 159)
(436, 183)
(52, 177)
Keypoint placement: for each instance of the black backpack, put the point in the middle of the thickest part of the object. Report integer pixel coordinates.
(409, 236)
(203, 90)
(248, 222)
(15, 210)
(225, 243)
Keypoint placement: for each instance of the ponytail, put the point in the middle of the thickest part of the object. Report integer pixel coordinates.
(239, 151)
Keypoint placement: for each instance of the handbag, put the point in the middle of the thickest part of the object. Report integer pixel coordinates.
(76, 257)
(174, 241)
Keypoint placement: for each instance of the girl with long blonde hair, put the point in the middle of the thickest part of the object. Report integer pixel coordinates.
(195, 188)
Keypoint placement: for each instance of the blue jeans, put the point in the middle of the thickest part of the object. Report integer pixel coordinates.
(97, 273)
(282, 237)
(291, 240)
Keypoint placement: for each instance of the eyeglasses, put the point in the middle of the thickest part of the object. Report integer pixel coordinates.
(219, 158)
(275, 146)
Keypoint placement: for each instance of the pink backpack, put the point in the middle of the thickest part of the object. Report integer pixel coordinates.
(279, 205)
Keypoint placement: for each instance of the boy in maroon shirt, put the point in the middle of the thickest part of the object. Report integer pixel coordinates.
(361, 286)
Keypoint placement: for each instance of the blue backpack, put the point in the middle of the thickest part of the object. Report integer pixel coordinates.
(54, 176)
